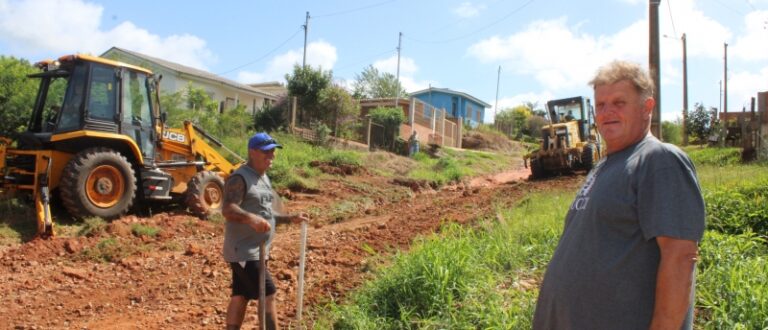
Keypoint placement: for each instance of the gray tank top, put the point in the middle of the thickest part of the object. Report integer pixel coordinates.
(241, 242)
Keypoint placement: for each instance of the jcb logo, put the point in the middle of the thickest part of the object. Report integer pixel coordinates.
(173, 136)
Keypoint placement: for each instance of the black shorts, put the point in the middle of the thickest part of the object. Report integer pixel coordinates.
(249, 286)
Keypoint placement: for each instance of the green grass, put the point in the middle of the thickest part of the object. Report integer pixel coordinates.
(714, 156)
(732, 274)
(110, 249)
(463, 278)
(487, 277)
(144, 230)
(456, 165)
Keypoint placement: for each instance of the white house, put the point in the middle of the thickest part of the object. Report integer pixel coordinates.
(176, 77)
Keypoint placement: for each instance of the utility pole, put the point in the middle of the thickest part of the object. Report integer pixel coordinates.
(685, 90)
(653, 64)
(725, 78)
(306, 31)
(399, 44)
(496, 105)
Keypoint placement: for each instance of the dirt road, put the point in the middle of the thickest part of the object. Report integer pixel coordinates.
(178, 279)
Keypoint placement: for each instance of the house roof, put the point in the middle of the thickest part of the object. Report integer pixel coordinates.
(453, 92)
(194, 72)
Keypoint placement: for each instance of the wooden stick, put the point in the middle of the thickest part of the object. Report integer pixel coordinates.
(302, 264)
(262, 286)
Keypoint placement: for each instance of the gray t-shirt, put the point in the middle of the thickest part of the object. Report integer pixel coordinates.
(603, 272)
(241, 242)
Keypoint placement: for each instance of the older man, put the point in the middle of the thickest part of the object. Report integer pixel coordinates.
(251, 220)
(627, 255)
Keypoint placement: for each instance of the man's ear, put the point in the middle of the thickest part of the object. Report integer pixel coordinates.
(648, 105)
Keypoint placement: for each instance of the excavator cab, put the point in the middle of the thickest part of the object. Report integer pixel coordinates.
(80, 93)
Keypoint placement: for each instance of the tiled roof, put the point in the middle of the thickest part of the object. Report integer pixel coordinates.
(194, 72)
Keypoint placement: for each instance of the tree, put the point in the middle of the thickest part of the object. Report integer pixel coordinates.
(306, 84)
(371, 83)
(672, 131)
(520, 114)
(699, 122)
(272, 117)
(534, 124)
(390, 118)
(194, 104)
(17, 94)
(340, 111)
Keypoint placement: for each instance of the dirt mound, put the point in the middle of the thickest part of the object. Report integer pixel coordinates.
(488, 141)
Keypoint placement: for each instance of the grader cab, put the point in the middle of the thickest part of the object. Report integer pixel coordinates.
(570, 142)
(97, 138)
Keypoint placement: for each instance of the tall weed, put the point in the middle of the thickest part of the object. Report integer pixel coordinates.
(464, 278)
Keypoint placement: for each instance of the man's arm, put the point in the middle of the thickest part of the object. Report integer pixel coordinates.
(291, 218)
(673, 282)
(234, 191)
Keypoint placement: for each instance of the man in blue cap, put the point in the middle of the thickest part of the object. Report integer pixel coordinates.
(250, 221)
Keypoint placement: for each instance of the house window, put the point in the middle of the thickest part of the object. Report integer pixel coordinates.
(229, 104)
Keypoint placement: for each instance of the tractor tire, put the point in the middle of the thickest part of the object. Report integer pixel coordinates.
(537, 170)
(588, 157)
(205, 194)
(98, 182)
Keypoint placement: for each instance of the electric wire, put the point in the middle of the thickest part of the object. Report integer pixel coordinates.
(354, 10)
(367, 58)
(672, 19)
(483, 28)
(265, 55)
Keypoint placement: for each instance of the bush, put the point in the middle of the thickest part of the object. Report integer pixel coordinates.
(714, 156)
(738, 209)
(272, 118)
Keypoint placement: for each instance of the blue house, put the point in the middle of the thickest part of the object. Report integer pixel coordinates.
(457, 104)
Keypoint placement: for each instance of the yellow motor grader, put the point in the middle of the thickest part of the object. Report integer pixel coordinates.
(570, 142)
(97, 138)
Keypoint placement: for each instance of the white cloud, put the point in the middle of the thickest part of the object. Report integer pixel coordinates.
(408, 69)
(468, 9)
(540, 99)
(704, 35)
(407, 65)
(559, 56)
(742, 86)
(753, 45)
(79, 31)
(320, 54)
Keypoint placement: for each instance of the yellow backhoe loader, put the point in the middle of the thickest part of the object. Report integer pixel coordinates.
(97, 138)
(570, 142)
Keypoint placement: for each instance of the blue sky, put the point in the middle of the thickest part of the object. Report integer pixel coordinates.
(546, 48)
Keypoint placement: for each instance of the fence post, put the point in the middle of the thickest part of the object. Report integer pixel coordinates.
(459, 129)
(293, 114)
(368, 133)
(442, 129)
(412, 113)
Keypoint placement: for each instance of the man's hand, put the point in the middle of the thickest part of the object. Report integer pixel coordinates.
(260, 225)
(299, 218)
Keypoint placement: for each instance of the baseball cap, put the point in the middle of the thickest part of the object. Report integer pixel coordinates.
(263, 142)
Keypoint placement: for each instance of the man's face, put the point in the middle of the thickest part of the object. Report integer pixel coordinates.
(261, 160)
(623, 118)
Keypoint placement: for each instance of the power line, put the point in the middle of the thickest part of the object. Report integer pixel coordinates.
(354, 10)
(514, 11)
(265, 55)
(366, 59)
(669, 7)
